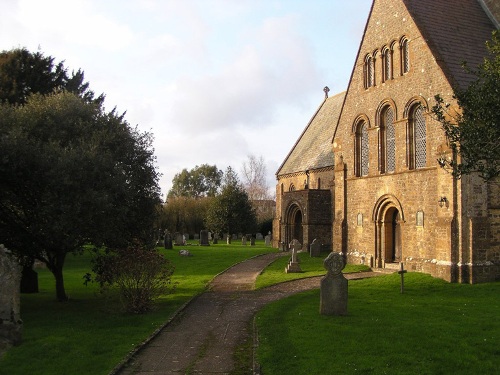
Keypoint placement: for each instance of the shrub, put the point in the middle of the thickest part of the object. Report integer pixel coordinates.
(140, 274)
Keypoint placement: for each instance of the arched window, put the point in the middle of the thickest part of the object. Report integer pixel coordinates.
(405, 55)
(387, 141)
(292, 187)
(387, 64)
(369, 70)
(361, 149)
(417, 148)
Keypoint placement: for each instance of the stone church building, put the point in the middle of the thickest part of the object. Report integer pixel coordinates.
(363, 178)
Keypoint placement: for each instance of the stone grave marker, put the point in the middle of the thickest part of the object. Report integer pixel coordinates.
(252, 241)
(179, 239)
(402, 272)
(267, 240)
(259, 236)
(167, 241)
(10, 317)
(204, 238)
(315, 248)
(333, 287)
(293, 266)
(244, 240)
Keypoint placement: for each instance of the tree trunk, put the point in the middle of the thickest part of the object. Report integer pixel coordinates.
(57, 270)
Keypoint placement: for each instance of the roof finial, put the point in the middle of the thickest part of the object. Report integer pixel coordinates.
(326, 90)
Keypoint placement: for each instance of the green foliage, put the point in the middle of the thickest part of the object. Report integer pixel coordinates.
(90, 334)
(231, 211)
(201, 181)
(141, 275)
(184, 214)
(23, 73)
(433, 328)
(473, 130)
(72, 174)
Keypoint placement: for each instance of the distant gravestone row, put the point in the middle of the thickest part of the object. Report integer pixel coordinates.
(10, 317)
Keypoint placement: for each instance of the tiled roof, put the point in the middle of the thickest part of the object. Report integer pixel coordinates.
(456, 31)
(313, 149)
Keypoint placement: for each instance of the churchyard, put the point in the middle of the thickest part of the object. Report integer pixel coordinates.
(434, 327)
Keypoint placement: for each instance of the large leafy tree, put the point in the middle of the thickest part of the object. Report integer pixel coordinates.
(231, 210)
(72, 174)
(23, 73)
(473, 130)
(201, 181)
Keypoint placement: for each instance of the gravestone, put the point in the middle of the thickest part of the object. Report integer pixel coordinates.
(234, 236)
(167, 242)
(10, 318)
(315, 248)
(333, 287)
(216, 239)
(252, 241)
(179, 239)
(204, 238)
(267, 240)
(402, 272)
(295, 244)
(244, 240)
(228, 239)
(259, 236)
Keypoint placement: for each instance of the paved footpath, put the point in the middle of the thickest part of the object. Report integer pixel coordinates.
(203, 337)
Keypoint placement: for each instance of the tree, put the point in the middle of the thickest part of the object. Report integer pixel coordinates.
(23, 73)
(231, 211)
(201, 181)
(473, 130)
(72, 174)
(184, 214)
(254, 178)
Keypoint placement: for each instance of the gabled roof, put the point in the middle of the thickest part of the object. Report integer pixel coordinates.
(455, 31)
(313, 149)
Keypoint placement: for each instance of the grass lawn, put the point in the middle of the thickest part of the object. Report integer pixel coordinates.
(433, 328)
(310, 267)
(90, 334)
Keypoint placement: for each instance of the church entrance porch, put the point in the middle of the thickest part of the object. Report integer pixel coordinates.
(388, 216)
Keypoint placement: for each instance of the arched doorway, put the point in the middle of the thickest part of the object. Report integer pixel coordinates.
(294, 229)
(388, 217)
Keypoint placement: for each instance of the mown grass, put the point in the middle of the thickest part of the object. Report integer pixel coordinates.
(433, 328)
(310, 266)
(90, 334)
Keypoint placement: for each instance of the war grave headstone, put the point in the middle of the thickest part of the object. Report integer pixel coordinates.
(333, 287)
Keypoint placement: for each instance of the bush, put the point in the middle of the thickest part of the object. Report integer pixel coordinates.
(141, 275)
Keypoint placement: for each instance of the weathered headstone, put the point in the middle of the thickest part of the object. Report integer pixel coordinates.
(185, 253)
(216, 239)
(228, 239)
(295, 244)
(10, 317)
(179, 239)
(259, 236)
(204, 238)
(267, 240)
(244, 240)
(315, 248)
(333, 287)
(167, 242)
(252, 241)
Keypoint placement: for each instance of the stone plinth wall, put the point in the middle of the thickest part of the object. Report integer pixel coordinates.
(10, 318)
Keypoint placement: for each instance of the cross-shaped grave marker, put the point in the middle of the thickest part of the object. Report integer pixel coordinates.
(402, 272)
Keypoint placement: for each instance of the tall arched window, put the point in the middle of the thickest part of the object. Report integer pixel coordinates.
(405, 55)
(387, 141)
(417, 147)
(361, 149)
(387, 64)
(369, 71)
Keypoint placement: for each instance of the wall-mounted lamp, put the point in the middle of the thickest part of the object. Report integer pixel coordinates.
(443, 201)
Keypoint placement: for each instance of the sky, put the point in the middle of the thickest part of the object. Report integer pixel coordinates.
(214, 80)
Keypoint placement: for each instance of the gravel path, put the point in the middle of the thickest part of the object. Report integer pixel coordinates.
(202, 338)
